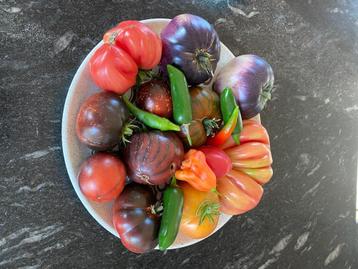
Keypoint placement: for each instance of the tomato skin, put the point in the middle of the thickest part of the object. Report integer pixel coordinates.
(189, 224)
(101, 120)
(133, 219)
(205, 103)
(102, 177)
(113, 69)
(239, 193)
(138, 40)
(217, 159)
(250, 155)
(253, 131)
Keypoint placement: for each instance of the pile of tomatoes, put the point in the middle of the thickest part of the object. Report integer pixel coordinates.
(172, 157)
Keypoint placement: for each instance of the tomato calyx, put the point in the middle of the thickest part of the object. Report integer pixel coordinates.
(155, 210)
(211, 126)
(128, 130)
(207, 210)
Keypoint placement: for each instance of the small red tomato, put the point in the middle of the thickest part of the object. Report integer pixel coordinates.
(113, 69)
(138, 40)
(154, 96)
(102, 177)
(217, 159)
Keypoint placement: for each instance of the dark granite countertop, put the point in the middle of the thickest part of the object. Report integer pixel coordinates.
(307, 216)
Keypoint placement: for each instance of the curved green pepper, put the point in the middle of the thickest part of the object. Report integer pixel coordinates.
(173, 201)
(180, 95)
(227, 105)
(151, 119)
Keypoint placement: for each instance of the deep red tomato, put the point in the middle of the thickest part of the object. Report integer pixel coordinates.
(102, 177)
(113, 69)
(217, 159)
(138, 40)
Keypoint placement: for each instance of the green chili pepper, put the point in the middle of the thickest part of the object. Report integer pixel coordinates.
(228, 104)
(151, 119)
(173, 200)
(180, 96)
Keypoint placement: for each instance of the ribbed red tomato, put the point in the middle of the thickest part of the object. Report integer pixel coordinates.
(241, 189)
(138, 40)
(113, 69)
(102, 177)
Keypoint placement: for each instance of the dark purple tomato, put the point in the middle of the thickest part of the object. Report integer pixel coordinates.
(100, 120)
(134, 218)
(154, 96)
(153, 157)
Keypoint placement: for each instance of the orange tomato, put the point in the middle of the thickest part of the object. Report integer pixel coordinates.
(239, 193)
(200, 212)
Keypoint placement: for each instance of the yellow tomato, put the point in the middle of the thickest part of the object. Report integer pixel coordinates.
(200, 213)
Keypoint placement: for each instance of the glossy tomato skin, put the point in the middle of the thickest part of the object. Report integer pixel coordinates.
(239, 193)
(154, 96)
(134, 220)
(153, 157)
(138, 40)
(196, 132)
(205, 103)
(190, 221)
(102, 177)
(217, 159)
(113, 69)
(253, 131)
(100, 120)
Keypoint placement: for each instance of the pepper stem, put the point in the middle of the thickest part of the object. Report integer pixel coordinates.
(186, 130)
(173, 183)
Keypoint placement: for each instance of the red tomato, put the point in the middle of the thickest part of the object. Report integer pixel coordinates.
(102, 177)
(217, 159)
(138, 40)
(113, 69)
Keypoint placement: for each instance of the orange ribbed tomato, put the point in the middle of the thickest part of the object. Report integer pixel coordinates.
(240, 189)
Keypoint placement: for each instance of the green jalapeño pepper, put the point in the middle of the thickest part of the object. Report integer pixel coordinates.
(150, 119)
(182, 113)
(228, 104)
(173, 200)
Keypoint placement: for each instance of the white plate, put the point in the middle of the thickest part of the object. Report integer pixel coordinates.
(75, 153)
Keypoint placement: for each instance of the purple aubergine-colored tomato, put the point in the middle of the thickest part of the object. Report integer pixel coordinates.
(153, 157)
(100, 120)
(134, 218)
(251, 79)
(191, 44)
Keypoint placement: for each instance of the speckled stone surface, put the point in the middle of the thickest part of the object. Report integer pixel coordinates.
(307, 216)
